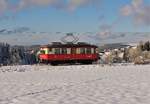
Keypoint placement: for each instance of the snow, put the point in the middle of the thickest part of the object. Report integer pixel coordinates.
(76, 84)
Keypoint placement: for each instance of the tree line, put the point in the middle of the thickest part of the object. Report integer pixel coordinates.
(145, 46)
(14, 55)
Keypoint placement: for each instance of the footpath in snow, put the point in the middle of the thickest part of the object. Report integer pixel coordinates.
(77, 84)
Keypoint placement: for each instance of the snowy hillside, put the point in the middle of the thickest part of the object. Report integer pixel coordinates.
(20, 36)
(77, 84)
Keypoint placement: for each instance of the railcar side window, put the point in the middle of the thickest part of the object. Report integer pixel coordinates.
(88, 50)
(68, 50)
(57, 51)
(73, 50)
(78, 50)
(64, 50)
(82, 50)
(96, 50)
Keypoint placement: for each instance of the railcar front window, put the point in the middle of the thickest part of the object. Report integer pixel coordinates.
(96, 50)
(92, 50)
(42, 52)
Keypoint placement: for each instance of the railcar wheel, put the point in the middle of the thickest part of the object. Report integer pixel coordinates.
(85, 62)
(54, 63)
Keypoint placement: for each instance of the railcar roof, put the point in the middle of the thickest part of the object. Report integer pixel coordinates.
(67, 45)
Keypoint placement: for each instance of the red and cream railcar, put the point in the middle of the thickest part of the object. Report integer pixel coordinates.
(68, 53)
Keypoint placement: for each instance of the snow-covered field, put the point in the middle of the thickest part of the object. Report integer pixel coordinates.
(78, 84)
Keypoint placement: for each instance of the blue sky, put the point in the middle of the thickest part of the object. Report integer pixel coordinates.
(83, 19)
(86, 16)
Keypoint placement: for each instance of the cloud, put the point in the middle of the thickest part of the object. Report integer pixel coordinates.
(21, 4)
(133, 8)
(3, 6)
(126, 10)
(2, 31)
(105, 30)
(74, 4)
(138, 10)
(14, 31)
(116, 35)
(143, 16)
(68, 5)
(137, 3)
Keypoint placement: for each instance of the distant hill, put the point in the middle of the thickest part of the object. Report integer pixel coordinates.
(112, 46)
(25, 37)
